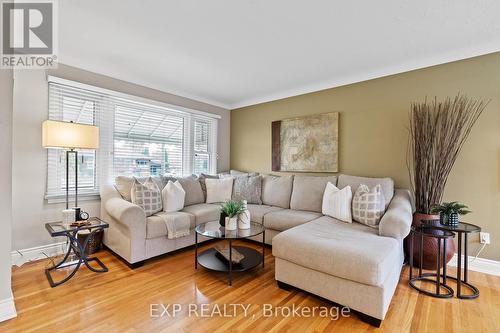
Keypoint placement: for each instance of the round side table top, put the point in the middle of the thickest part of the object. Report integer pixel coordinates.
(462, 227)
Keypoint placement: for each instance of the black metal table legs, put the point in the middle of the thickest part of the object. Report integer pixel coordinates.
(440, 279)
(79, 250)
(465, 281)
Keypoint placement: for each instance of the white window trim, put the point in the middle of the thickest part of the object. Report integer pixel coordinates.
(104, 157)
(174, 108)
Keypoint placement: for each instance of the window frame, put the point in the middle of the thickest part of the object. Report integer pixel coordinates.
(105, 120)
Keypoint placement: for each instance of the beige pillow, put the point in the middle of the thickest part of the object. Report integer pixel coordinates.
(194, 193)
(368, 205)
(219, 190)
(147, 195)
(173, 196)
(276, 190)
(337, 203)
(308, 192)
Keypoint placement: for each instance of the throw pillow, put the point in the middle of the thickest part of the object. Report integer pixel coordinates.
(147, 195)
(368, 205)
(194, 193)
(337, 203)
(248, 188)
(173, 196)
(123, 185)
(276, 190)
(203, 185)
(219, 190)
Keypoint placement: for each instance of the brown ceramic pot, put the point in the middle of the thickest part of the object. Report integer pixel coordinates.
(430, 245)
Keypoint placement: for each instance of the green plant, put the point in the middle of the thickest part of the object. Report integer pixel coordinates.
(233, 208)
(448, 208)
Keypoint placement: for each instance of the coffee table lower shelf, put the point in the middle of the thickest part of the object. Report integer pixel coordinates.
(210, 260)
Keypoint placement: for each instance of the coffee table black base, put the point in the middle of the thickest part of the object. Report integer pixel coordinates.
(210, 260)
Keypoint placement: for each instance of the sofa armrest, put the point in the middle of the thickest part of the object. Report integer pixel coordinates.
(126, 213)
(396, 222)
(126, 234)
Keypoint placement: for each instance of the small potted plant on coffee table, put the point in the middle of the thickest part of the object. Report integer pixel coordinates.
(449, 212)
(232, 209)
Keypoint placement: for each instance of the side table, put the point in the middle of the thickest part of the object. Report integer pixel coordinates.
(441, 236)
(57, 229)
(461, 229)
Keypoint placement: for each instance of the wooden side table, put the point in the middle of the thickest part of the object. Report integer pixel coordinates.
(57, 229)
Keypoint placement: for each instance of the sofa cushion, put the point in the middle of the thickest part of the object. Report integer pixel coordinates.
(350, 251)
(354, 181)
(203, 212)
(219, 190)
(194, 193)
(248, 188)
(276, 190)
(156, 227)
(257, 212)
(308, 192)
(123, 185)
(288, 218)
(204, 185)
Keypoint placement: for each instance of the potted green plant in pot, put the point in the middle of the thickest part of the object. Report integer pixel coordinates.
(232, 209)
(449, 212)
(437, 132)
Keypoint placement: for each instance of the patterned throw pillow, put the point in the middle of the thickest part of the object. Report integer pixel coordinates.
(248, 188)
(368, 205)
(147, 195)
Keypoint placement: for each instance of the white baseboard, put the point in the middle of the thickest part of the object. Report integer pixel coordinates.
(21, 257)
(479, 265)
(7, 309)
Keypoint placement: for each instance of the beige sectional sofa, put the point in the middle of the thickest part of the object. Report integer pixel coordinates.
(348, 263)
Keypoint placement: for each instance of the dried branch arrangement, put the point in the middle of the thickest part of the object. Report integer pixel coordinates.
(438, 130)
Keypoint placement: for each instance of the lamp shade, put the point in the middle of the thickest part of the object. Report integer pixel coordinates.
(61, 134)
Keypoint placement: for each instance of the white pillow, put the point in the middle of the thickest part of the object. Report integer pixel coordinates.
(173, 196)
(368, 205)
(337, 203)
(219, 190)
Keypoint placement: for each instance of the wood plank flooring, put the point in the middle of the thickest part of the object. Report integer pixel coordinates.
(120, 301)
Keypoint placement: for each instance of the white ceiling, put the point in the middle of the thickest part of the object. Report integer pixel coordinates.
(234, 53)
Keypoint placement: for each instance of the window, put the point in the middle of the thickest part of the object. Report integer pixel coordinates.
(137, 138)
(147, 142)
(202, 153)
(80, 107)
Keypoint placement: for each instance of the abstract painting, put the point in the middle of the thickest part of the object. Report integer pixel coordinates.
(308, 143)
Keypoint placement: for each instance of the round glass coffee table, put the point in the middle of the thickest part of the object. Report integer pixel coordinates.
(211, 258)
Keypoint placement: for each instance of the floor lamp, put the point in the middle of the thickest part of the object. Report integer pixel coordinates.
(70, 136)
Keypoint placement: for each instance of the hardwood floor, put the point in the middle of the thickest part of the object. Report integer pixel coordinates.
(120, 301)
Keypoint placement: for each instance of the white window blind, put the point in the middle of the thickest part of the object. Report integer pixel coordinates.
(202, 148)
(137, 138)
(147, 141)
(79, 106)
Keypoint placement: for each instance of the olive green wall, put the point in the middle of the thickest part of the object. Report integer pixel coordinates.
(373, 132)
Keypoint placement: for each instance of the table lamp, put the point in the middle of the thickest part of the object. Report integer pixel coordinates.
(70, 136)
